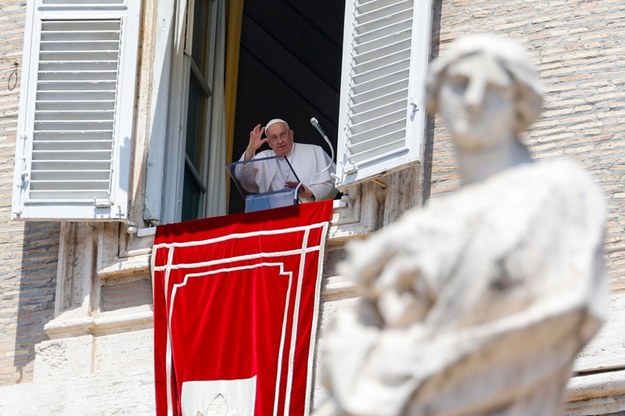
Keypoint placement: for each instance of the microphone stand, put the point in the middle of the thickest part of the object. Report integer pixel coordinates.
(299, 183)
(317, 126)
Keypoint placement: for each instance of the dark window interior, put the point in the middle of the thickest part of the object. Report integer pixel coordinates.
(289, 67)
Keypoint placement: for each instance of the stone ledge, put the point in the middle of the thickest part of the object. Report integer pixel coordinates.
(73, 325)
(336, 288)
(124, 267)
(601, 393)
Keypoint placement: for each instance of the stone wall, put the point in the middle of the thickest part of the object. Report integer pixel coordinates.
(28, 252)
(578, 47)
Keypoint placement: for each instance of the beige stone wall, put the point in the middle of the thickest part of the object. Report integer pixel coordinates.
(579, 48)
(28, 252)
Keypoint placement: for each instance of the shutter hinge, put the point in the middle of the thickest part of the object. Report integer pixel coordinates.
(336, 179)
(415, 108)
(102, 202)
(350, 168)
(23, 175)
(24, 171)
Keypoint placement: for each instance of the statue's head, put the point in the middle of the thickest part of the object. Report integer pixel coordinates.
(485, 88)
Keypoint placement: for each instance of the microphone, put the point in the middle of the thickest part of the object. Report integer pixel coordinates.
(316, 125)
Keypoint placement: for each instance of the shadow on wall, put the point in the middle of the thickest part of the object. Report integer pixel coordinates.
(429, 128)
(36, 293)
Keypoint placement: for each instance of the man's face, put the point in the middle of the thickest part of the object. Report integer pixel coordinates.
(477, 103)
(280, 139)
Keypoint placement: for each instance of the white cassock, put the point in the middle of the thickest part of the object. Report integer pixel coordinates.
(306, 160)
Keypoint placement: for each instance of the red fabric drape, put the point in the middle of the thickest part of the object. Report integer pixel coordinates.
(236, 298)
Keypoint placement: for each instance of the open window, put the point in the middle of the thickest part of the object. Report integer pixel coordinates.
(289, 67)
(289, 57)
(75, 122)
(358, 66)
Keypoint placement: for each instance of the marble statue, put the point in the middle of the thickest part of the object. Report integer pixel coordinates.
(478, 302)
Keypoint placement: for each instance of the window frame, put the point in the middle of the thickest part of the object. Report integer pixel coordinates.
(174, 164)
(355, 215)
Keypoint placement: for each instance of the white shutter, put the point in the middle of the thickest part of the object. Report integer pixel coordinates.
(382, 112)
(76, 110)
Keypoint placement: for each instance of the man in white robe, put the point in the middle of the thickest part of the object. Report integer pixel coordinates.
(305, 163)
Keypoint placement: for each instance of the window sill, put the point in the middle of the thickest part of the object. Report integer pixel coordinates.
(352, 216)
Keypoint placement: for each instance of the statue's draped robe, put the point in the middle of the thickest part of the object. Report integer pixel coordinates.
(475, 304)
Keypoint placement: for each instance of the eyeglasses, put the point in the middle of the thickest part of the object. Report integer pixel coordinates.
(283, 136)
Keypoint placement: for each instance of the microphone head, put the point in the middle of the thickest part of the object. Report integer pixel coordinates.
(314, 122)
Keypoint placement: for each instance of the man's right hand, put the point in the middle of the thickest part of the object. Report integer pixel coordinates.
(255, 142)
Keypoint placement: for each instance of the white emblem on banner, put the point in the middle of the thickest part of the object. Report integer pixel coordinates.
(219, 397)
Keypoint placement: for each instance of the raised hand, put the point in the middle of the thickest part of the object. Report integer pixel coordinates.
(255, 142)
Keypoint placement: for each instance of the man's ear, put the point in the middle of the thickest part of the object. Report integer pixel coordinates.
(291, 134)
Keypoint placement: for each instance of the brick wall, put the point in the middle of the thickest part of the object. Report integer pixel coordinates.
(579, 48)
(28, 252)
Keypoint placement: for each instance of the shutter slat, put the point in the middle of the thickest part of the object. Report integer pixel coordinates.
(396, 36)
(86, 35)
(75, 95)
(80, 46)
(43, 136)
(66, 175)
(71, 155)
(76, 166)
(376, 127)
(78, 26)
(80, 2)
(69, 145)
(73, 125)
(68, 185)
(368, 34)
(365, 40)
(77, 66)
(373, 153)
(105, 55)
(62, 115)
(374, 114)
(63, 196)
(65, 86)
(75, 105)
(376, 89)
(362, 105)
(77, 75)
(387, 49)
(364, 7)
(381, 68)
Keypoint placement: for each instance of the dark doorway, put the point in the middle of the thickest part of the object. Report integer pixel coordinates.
(289, 67)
